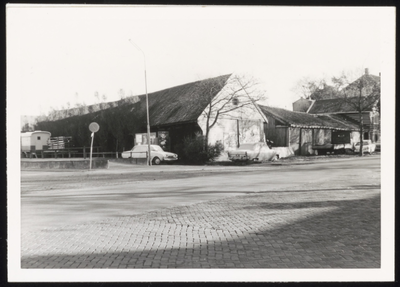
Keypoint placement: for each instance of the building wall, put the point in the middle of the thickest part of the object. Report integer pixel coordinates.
(301, 105)
(233, 132)
(322, 136)
(294, 138)
(306, 142)
(354, 137)
(302, 139)
(371, 124)
(277, 134)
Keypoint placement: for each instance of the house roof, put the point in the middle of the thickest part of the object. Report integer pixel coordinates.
(367, 79)
(304, 120)
(334, 102)
(179, 104)
(335, 106)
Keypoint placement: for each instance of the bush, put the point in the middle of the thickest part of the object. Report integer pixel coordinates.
(192, 151)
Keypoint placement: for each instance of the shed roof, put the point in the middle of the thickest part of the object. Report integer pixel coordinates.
(28, 134)
(304, 120)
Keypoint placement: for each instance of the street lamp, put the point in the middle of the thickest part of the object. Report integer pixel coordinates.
(147, 101)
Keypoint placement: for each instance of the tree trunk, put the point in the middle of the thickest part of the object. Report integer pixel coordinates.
(205, 146)
(361, 134)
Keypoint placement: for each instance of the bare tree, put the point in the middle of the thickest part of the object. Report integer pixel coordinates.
(361, 96)
(306, 87)
(224, 96)
(121, 94)
(27, 128)
(97, 96)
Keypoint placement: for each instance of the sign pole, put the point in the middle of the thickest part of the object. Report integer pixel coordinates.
(93, 127)
(91, 150)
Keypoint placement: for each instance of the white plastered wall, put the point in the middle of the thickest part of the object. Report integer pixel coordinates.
(250, 120)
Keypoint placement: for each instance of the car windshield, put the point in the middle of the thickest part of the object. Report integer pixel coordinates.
(156, 148)
(140, 148)
(144, 148)
(247, 146)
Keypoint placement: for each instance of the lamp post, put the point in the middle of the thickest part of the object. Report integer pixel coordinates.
(147, 102)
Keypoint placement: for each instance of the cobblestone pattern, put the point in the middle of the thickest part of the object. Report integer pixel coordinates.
(320, 228)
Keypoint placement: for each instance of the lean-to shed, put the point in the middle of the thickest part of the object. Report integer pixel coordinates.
(297, 132)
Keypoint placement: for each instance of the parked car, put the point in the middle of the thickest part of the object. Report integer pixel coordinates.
(368, 146)
(158, 155)
(256, 152)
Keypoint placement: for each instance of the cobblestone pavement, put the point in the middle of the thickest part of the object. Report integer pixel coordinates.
(304, 227)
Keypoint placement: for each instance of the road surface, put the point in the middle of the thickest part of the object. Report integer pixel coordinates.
(57, 198)
(324, 214)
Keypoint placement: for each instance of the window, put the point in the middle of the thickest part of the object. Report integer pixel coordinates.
(140, 148)
(156, 148)
(38, 138)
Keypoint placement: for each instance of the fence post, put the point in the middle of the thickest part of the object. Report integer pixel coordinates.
(84, 152)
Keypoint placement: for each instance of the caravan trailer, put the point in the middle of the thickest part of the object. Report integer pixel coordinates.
(34, 142)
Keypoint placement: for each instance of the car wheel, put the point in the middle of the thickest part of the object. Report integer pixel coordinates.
(156, 161)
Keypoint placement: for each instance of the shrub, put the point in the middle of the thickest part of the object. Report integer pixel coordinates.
(193, 151)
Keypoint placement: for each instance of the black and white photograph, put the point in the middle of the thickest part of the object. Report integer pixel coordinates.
(216, 143)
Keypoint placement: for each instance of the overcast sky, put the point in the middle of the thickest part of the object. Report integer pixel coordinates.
(61, 54)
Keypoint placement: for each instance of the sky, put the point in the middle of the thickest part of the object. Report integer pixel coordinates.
(60, 55)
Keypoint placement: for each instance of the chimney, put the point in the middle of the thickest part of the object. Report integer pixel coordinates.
(366, 71)
(379, 74)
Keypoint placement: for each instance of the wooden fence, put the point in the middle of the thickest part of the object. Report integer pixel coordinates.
(77, 152)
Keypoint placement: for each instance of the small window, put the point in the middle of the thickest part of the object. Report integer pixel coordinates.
(140, 148)
(38, 138)
(235, 101)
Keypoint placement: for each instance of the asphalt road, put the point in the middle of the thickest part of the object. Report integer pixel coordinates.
(57, 198)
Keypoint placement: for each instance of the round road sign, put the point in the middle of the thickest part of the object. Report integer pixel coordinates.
(94, 127)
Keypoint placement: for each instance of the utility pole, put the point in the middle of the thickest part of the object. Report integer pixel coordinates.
(147, 103)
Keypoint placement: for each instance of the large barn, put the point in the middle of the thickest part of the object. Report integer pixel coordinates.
(174, 113)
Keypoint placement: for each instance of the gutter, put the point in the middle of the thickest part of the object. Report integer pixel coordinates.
(320, 127)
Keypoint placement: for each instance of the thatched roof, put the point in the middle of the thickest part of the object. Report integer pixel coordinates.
(304, 120)
(179, 104)
(176, 105)
(183, 103)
